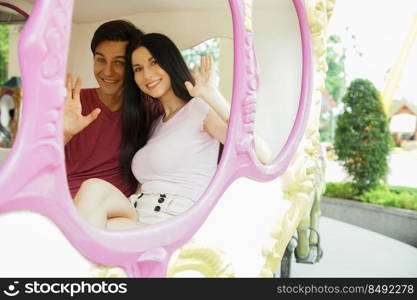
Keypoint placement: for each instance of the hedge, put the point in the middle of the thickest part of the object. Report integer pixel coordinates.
(394, 196)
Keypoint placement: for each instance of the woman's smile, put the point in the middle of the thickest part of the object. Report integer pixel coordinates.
(151, 85)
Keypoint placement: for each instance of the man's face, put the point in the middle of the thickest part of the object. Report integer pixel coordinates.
(109, 66)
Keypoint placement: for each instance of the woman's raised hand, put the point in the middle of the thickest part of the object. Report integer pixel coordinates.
(205, 79)
(74, 121)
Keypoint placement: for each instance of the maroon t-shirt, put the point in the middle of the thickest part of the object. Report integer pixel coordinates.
(95, 151)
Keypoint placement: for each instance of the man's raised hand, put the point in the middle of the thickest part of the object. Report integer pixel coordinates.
(74, 121)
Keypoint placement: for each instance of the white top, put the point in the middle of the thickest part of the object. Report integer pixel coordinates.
(180, 157)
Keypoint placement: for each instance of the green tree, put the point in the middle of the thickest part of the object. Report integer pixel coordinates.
(209, 47)
(362, 139)
(338, 49)
(335, 76)
(334, 83)
(4, 51)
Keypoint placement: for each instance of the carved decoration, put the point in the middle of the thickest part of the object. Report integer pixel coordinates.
(304, 175)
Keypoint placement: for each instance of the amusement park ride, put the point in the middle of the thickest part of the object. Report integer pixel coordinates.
(403, 112)
(397, 71)
(251, 218)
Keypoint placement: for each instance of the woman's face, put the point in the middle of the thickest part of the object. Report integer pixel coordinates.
(149, 76)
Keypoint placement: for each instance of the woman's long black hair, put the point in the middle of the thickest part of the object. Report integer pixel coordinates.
(136, 119)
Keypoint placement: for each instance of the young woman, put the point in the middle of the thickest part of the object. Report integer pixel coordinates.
(173, 161)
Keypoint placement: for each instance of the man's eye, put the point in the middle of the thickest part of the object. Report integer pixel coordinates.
(120, 63)
(101, 61)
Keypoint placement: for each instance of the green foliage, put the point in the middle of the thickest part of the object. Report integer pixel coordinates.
(362, 139)
(403, 189)
(209, 47)
(340, 190)
(334, 83)
(384, 196)
(335, 79)
(4, 51)
(394, 196)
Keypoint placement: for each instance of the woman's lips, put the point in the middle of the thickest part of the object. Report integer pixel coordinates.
(153, 84)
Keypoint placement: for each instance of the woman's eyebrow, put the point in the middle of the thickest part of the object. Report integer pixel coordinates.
(138, 65)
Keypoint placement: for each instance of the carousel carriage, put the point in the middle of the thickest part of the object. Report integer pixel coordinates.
(243, 225)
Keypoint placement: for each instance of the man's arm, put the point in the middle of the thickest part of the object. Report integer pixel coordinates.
(74, 121)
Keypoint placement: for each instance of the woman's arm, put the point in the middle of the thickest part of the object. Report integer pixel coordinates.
(262, 150)
(205, 88)
(215, 126)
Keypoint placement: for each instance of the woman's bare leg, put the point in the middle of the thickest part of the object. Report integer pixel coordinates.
(97, 201)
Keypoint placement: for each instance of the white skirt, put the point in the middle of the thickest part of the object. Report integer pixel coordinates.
(154, 208)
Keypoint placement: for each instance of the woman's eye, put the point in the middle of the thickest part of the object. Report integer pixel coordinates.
(137, 69)
(154, 62)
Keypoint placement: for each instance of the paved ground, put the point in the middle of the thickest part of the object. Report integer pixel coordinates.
(402, 169)
(350, 251)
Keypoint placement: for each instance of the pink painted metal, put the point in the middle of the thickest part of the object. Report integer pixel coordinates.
(33, 176)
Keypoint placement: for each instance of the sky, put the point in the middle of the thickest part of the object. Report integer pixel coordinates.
(380, 28)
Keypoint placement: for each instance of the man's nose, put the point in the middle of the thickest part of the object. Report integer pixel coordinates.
(108, 70)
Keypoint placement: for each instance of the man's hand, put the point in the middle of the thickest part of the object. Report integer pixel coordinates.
(205, 79)
(74, 121)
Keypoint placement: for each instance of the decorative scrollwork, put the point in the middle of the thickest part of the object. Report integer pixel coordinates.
(248, 15)
(303, 175)
(49, 46)
(252, 83)
(208, 261)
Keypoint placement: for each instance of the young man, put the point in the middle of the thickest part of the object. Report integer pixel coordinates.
(92, 117)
